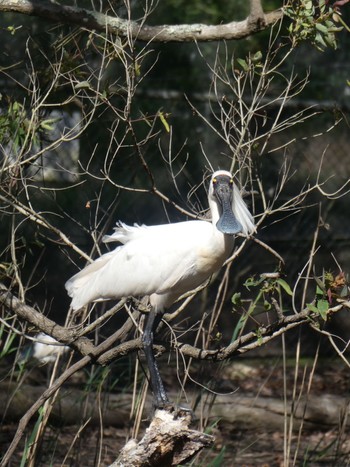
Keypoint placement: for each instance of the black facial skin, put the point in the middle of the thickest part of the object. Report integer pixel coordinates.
(223, 190)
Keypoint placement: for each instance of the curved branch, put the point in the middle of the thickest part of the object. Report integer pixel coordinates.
(105, 353)
(234, 30)
(66, 336)
(251, 340)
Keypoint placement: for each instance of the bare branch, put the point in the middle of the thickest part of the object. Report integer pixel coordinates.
(234, 30)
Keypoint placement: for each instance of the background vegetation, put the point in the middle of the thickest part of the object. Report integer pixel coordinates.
(97, 127)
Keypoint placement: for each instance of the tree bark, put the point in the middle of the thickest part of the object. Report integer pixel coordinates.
(234, 30)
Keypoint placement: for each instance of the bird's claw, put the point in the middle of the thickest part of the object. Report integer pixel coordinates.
(175, 410)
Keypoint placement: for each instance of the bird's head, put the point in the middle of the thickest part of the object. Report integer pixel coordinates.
(234, 216)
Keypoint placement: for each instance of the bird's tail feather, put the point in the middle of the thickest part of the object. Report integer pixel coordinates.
(80, 287)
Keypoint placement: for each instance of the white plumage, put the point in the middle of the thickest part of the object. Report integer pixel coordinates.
(165, 261)
(46, 349)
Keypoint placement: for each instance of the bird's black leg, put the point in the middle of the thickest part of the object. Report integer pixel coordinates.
(159, 393)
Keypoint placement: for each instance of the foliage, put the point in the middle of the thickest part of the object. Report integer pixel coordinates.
(7, 341)
(315, 23)
(271, 289)
(330, 288)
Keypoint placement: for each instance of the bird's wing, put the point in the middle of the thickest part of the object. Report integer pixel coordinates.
(163, 258)
(78, 285)
(125, 233)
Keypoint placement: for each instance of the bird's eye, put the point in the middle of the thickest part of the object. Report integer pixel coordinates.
(214, 180)
(231, 181)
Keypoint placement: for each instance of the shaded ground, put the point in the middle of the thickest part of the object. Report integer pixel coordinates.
(323, 445)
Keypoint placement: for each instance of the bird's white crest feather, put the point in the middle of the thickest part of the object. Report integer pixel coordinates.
(242, 213)
(239, 207)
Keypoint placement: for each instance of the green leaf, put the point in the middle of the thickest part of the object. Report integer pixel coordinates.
(285, 286)
(13, 29)
(240, 325)
(48, 123)
(312, 307)
(243, 64)
(32, 437)
(8, 345)
(319, 42)
(331, 41)
(236, 298)
(163, 120)
(335, 29)
(323, 307)
(308, 5)
(82, 85)
(322, 5)
(257, 56)
(137, 69)
(252, 282)
(322, 28)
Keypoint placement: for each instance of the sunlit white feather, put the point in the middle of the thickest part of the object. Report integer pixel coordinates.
(163, 261)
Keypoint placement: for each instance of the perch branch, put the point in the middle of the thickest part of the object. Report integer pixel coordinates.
(53, 11)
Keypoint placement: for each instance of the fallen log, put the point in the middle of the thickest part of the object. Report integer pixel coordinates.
(244, 411)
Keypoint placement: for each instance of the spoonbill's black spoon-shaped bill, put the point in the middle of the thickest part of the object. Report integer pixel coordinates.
(165, 261)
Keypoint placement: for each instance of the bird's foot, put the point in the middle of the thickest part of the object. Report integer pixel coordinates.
(183, 412)
(176, 411)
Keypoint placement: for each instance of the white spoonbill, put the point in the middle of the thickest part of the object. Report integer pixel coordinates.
(165, 261)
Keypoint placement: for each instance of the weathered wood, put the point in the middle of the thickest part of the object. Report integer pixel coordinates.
(168, 441)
